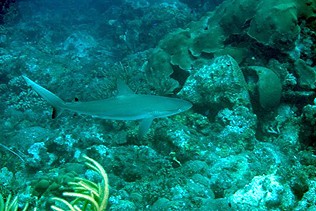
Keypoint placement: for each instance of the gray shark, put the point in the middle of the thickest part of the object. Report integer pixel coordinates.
(126, 105)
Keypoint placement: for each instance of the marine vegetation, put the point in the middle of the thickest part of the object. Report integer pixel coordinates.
(11, 204)
(87, 194)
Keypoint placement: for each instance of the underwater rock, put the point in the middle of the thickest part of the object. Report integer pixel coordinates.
(158, 71)
(309, 119)
(274, 24)
(31, 135)
(306, 9)
(264, 192)
(307, 74)
(269, 87)
(219, 92)
(177, 44)
(309, 113)
(217, 85)
(210, 40)
(234, 19)
(79, 44)
(237, 127)
(246, 29)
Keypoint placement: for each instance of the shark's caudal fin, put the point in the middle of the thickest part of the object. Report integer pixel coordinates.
(57, 103)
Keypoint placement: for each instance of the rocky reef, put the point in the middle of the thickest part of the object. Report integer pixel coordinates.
(247, 66)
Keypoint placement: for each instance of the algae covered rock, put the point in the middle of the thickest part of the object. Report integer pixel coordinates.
(209, 40)
(269, 87)
(177, 45)
(306, 74)
(216, 85)
(275, 24)
(158, 71)
(306, 9)
(243, 29)
(219, 91)
(234, 16)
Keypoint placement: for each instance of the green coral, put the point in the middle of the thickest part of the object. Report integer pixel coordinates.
(88, 195)
(235, 30)
(275, 24)
(11, 204)
(269, 87)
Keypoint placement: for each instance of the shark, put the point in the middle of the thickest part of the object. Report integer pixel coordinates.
(126, 105)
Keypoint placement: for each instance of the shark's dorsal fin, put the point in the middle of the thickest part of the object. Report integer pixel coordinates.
(123, 89)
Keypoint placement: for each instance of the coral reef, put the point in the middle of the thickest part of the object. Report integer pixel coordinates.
(247, 66)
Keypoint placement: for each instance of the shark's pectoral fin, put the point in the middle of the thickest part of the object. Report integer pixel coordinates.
(144, 126)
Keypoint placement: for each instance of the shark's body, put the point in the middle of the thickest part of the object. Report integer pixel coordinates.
(126, 105)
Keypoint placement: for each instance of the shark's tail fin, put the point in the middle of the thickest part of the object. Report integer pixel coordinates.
(57, 103)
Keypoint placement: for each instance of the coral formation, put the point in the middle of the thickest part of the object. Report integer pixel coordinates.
(269, 87)
(247, 66)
